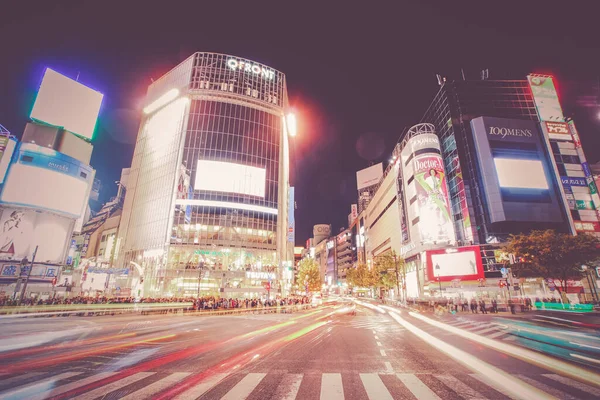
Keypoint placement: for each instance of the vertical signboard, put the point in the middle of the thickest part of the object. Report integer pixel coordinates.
(354, 212)
(546, 98)
(402, 207)
(291, 236)
(462, 196)
(435, 224)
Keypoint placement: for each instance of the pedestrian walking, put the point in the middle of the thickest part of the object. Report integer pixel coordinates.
(494, 306)
(473, 306)
(482, 306)
(465, 305)
(511, 305)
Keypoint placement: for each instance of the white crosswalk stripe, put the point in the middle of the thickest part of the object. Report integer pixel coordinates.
(121, 383)
(417, 387)
(198, 390)
(465, 391)
(148, 391)
(288, 387)
(497, 334)
(377, 386)
(70, 386)
(24, 391)
(242, 390)
(331, 387)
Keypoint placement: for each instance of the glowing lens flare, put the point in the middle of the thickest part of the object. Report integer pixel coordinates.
(161, 101)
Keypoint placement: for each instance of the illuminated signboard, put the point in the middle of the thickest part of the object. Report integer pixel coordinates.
(250, 67)
(259, 275)
(220, 176)
(546, 98)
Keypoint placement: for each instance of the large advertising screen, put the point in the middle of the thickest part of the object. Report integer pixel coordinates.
(462, 263)
(43, 178)
(220, 176)
(435, 222)
(61, 101)
(524, 174)
(369, 176)
(21, 230)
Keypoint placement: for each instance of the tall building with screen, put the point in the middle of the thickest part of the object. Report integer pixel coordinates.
(206, 211)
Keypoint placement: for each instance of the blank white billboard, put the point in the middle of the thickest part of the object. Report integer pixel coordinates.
(525, 174)
(220, 176)
(369, 176)
(454, 264)
(64, 102)
(39, 187)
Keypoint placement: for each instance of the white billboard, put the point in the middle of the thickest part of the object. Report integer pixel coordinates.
(22, 230)
(525, 174)
(64, 102)
(369, 176)
(454, 264)
(220, 176)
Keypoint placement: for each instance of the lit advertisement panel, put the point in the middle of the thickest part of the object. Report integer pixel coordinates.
(43, 178)
(21, 230)
(525, 174)
(435, 223)
(291, 235)
(461, 263)
(369, 176)
(546, 98)
(64, 102)
(220, 176)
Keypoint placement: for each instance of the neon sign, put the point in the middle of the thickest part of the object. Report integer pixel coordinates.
(247, 66)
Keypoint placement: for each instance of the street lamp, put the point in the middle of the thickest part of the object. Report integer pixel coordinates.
(437, 268)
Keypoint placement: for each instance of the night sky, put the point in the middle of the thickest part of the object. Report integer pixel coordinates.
(357, 76)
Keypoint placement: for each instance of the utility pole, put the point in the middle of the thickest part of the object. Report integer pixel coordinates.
(200, 268)
(397, 275)
(28, 275)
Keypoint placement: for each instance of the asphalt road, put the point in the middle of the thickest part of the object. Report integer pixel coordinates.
(325, 353)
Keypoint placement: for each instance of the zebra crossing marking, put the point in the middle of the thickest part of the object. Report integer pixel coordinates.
(243, 388)
(148, 391)
(116, 385)
(417, 387)
(331, 387)
(460, 387)
(574, 384)
(198, 390)
(374, 387)
(288, 387)
(28, 388)
(70, 386)
(559, 394)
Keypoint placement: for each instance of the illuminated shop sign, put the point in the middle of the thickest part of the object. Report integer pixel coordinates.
(504, 132)
(247, 66)
(557, 127)
(260, 275)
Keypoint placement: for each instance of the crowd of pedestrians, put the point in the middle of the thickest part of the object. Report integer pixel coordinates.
(202, 303)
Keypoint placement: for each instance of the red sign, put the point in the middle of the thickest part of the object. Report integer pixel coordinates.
(462, 263)
(557, 127)
(54, 281)
(587, 226)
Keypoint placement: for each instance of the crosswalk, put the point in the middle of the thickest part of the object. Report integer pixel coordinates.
(278, 385)
(491, 330)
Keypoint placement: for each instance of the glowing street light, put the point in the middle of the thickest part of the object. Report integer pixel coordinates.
(291, 124)
(161, 101)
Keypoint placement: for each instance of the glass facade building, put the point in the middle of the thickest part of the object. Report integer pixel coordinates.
(207, 209)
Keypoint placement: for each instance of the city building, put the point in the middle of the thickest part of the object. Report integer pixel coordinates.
(345, 255)
(46, 181)
(207, 210)
(367, 181)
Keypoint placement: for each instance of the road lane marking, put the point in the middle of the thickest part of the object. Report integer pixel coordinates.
(497, 334)
(521, 353)
(575, 384)
(376, 337)
(379, 344)
(500, 387)
(459, 387)
(288, 387)
(517, 388)
(547, 388)
(242, 390)
(198, 390)
(484, 330)
(417, 387)
(388, 367)
(21, 391)
(70, 386)
(375, 388)
(594, 360)
(331, 387)
(121, 383)
(148, 391)
(382, 351)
